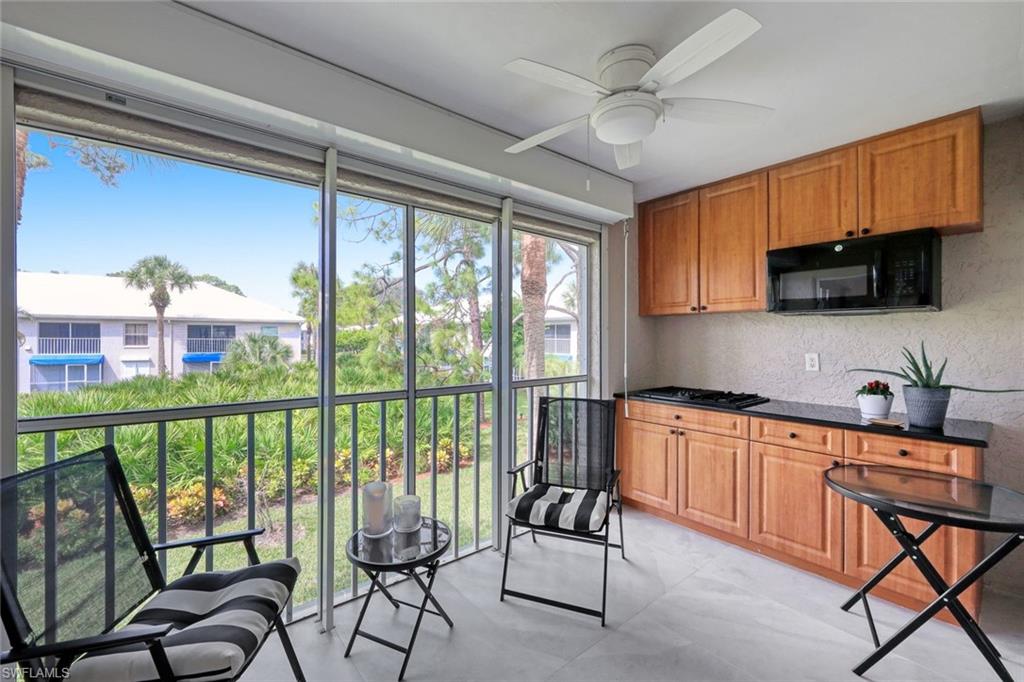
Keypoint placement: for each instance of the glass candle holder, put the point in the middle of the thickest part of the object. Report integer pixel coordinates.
(376, 509)
(407, 513)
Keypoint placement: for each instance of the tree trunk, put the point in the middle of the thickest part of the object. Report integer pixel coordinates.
(161, 365)
(475, 328)
(20, 167)
(534, 282)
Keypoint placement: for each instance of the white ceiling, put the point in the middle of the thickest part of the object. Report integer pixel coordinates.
(833, 72)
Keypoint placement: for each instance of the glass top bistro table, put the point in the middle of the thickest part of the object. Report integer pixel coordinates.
(940, 500)
(414, 554)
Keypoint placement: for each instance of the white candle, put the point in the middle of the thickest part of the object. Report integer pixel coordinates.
(376, 508)
(407, 513)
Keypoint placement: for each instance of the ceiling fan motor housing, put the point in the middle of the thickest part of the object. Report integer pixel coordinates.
(626, 117)
(623, 67)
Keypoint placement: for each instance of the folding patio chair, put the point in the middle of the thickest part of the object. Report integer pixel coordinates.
(77, 562)
(574, 485)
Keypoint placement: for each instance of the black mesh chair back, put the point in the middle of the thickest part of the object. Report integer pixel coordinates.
(75, 556)
(575, 442)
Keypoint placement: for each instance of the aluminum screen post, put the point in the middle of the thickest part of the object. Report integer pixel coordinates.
(8, 280)
(504, 407)
(325, 396)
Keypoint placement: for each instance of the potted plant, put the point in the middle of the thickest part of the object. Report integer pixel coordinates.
(875, 400)
(927, 398)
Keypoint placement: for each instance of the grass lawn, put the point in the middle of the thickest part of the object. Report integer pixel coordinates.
(271, 545)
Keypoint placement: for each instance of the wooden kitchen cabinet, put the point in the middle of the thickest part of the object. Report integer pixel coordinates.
(813, 200)
(714, 481)
(668, 256)
(925, 176)
(733, 244)
(791, 509)
(647, 457)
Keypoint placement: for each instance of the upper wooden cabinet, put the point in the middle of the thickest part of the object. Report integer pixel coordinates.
(925, 176)
(733, 243)
(813, 200)
(668, 256)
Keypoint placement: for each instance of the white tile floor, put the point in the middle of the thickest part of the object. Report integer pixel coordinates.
(684, 607)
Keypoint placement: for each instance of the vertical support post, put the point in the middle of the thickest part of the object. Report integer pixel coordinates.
(250, 467)
(326, 393)
(383, 454)
(477, 400)
(409, 268)
(8, 279)
(289, 507)
(456, 455)
(161, 491)
(433, 457)
(504, 407)
(208, 453)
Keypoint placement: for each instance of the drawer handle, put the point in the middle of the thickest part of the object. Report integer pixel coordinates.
(865, 231)
(677, 416)
(671, 432)
(904, 453)
(850, 233)
(835, 462)
(792, 434)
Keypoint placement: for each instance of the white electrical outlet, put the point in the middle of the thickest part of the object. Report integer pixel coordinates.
(811, 362)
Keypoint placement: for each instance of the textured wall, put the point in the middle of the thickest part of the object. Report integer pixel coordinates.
(980, 329)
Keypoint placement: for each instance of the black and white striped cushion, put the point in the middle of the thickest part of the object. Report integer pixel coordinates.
(554, 507)
(219, 619)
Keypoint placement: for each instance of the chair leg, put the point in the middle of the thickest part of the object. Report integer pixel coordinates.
(289, 650)
(622, 539)
(534, 534)
(508, 550)
(604, 578)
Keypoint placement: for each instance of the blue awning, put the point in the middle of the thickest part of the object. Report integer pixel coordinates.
(202, 357)
(68, 359)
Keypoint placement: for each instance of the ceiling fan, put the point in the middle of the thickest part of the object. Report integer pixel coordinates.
(631, 80)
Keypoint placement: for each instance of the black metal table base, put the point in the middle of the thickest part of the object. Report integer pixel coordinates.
(947, 595)
(428, 598)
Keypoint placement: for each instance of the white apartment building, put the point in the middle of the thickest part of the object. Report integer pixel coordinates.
(88, 329)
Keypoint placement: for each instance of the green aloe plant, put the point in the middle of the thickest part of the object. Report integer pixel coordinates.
(921, 374)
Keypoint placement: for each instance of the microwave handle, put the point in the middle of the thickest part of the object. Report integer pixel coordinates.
(875, 276)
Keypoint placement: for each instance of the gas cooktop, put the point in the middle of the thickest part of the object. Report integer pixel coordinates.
(700, 396)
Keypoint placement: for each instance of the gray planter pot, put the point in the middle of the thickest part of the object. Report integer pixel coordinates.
(926, 407)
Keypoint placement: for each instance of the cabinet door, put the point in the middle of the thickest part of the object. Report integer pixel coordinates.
(668, 256)
(791, 508)
(733, 242)
(648, 463)
(869, 546)
(927, 176)
(713, 481)
(814, 200)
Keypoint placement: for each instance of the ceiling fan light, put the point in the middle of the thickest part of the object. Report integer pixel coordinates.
(625, 125)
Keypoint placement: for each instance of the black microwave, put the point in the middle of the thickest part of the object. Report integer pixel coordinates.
(883, 274)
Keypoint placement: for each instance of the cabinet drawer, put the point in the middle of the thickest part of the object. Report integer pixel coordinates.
(821, 439)
(710, 421)
(873, 448)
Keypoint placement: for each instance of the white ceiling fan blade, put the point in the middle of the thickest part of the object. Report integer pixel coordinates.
(716, 111)
(628, 155)
(700, 49)
(556, 77)
(549, 134)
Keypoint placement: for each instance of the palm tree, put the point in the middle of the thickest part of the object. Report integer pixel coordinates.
(160, 276)
(258, 350)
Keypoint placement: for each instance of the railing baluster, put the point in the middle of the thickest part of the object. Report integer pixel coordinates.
(383, 441)
(208, 453)
(250, 465)
(354, 502)
(110, 567)
(456, 454)
(50, 540)
(576, 441)
(561, 431)
(288, 507)
(477, 397)
(531, 439)
(161, 491)
(515, 429)
(433, 457)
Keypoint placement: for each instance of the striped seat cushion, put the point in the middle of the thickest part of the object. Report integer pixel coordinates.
(218, 618)
(554, 507)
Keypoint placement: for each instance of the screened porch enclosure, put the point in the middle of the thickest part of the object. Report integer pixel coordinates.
(423, 356)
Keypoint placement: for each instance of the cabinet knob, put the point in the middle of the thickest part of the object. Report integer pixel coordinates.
(850, 233)
(865, 231)
(904, 453)
(672, 432)
(835, 462)
(703, 307)
(693, 308)
(792, 435)
(677, 416)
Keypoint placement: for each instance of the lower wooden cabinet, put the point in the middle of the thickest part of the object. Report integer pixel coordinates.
(714, 481)
(647, 456)
(791, 509)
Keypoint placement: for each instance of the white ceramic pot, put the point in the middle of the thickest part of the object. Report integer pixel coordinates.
(874, 406)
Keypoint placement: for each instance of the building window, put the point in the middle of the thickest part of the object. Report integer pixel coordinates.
(558, 339)
(68, 337)
(136, 334)
(65, 377)
(136, 368)
(269, 330)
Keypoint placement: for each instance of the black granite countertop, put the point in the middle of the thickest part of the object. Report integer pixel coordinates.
(959, 431)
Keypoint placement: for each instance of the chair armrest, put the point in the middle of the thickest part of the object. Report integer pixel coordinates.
(520, 467)
(87, 644)
(613, 478)
(211, 540)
